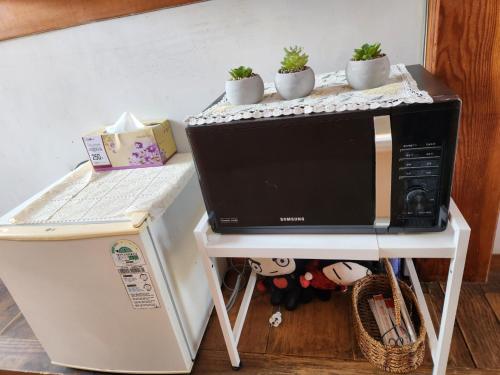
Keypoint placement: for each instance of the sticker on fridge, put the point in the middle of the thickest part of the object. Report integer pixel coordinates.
(127, 253)
(139, 286)
(135, 275)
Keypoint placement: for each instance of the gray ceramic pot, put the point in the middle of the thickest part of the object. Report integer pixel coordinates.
(245, 91)
(368, 74)
(294, 85)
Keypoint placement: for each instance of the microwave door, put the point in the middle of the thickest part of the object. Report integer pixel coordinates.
(310, 174)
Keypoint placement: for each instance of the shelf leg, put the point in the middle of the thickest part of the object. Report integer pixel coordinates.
(431, 333)
(451, 297)
(220, 307)
(245, 303)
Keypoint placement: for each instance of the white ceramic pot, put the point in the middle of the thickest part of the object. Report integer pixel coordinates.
(294, 85)
(368, 74)
(245, 91)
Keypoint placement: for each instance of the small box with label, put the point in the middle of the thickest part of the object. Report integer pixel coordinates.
(120, 147)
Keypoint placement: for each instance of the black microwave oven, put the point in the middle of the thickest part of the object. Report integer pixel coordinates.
(387, 170)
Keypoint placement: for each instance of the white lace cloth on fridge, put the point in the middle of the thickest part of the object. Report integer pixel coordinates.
(331, 93)
(86, 196)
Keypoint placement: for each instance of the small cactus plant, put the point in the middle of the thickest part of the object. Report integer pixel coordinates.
(244, 86)
(367, 52)
(241, 72)
(295, 60)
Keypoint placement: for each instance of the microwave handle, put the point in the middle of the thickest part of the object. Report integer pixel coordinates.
(383, 171)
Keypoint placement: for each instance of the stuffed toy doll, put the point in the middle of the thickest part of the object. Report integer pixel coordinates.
(346, 273)
(324, 276)
(280, 279)
(316, 283)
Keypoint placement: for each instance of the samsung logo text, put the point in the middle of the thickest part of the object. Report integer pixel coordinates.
(293, 218)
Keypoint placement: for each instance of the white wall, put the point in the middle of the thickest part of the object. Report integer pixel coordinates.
(170, 63)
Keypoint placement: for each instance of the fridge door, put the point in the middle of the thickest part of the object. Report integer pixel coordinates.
(302, 174)
(72, 295)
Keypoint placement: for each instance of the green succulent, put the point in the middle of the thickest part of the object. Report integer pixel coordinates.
(240, 72)
(294, 61)
(367, 52)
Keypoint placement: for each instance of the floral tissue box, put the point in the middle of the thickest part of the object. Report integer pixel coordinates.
(150, 146)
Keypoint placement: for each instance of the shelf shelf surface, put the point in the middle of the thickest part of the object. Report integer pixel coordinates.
(321, 246)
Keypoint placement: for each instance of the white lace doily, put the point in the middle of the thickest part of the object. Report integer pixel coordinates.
(331, 93)
(86, 196)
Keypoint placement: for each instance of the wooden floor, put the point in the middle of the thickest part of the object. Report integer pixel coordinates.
(315, 339)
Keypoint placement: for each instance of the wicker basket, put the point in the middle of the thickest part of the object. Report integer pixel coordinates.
(396, 359)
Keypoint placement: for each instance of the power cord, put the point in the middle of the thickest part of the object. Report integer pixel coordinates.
(80, 163)
(238, 285)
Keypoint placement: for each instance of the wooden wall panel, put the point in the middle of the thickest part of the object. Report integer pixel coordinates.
(463, 49)
(25, 17)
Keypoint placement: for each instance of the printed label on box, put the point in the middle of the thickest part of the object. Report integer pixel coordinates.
(96, 151)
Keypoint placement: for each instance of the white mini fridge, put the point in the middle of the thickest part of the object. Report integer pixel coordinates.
(115, 288)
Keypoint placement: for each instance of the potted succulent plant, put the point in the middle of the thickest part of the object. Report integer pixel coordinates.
(294, 79)
(368, 68)
(244, 87)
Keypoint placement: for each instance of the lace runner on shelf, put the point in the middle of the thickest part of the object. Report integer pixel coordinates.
(331, 93)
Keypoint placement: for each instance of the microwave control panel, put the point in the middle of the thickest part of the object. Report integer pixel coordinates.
(418, 173)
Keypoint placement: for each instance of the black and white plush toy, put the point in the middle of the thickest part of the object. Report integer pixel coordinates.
(280, 278)
(324, 276)
(346, 273)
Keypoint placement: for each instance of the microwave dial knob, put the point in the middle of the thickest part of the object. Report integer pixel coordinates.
(416, 199)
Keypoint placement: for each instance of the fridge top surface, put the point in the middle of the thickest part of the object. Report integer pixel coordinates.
(85, 203)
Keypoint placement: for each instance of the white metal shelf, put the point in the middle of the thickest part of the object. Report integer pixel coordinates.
(321, 246)
(451, 243)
